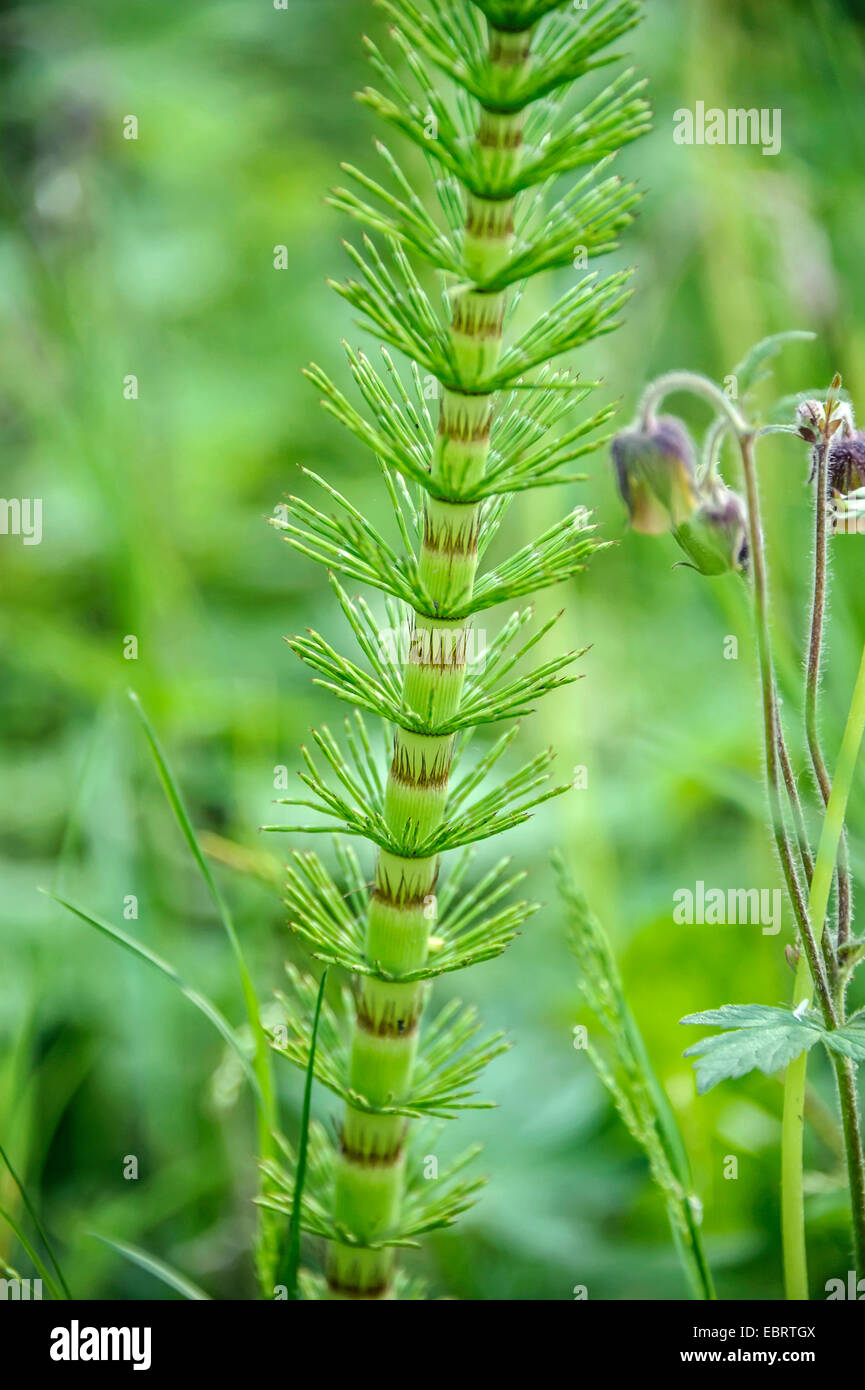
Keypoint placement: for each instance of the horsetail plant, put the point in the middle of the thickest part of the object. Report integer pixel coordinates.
(498, 129)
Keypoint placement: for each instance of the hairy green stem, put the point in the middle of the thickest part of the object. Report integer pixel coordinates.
(792, 1187)
(792, 1173)
(812, 687)
(775, 760)
(802, 841)
(818, 965)
(796, 1279)
(845, 1075)
(770, 732)
(845, 1070)
(694, 384)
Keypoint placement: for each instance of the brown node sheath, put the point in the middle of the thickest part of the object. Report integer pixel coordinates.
(425, 778)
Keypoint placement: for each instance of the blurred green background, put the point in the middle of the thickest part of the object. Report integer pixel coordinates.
(155, 258)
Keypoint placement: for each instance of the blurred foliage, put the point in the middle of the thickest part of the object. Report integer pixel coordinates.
(155, 258)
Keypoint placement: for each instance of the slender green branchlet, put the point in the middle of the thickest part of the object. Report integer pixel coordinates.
(490, 92)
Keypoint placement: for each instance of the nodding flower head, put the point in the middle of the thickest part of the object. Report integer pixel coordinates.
(845, 463)
(656, 475)
(715, 538)
(811, 418)
(820, 421)
(831, 431)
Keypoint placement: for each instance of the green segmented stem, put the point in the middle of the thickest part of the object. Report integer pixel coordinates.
(371, 1163)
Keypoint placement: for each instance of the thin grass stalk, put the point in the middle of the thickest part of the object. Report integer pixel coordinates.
(266, 1114)
(794, 1246)
(40, 1228)
(290, 1261)
(634, 1086)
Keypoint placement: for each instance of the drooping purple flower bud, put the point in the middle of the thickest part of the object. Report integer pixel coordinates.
(845, 463)
(811, 416)
(655, 469)
(715, 538)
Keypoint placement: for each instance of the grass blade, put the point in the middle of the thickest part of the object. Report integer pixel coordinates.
(203, 1004)
(178, 806)
(291, 1255)
(268, 1118)
(158, 1268)
(34, 1217)
(634, 1086)
(33, 1255)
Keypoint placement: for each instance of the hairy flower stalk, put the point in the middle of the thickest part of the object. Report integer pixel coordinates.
(815, 644)
(499, 126)
(758, 1036)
